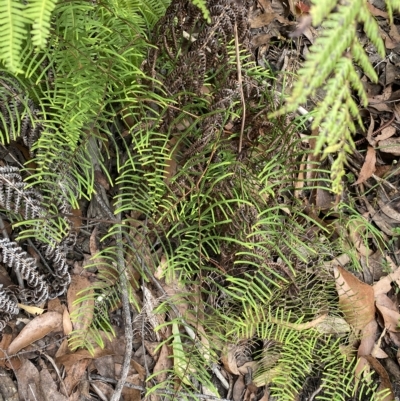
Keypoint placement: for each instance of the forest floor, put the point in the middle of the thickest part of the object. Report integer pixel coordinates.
(37, 363)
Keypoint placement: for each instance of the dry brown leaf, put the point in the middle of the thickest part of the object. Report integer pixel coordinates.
(383, 286)
(390, 317)
(390, 145)
(368, 335)
(75, 373)
(35, 330)
(49, 387)
(105, 388)
(54, 305)
(238, 389)
(139, 369)
(386, 133)
(4, 343)
(356, 299)
(76, 219)
(28, 381)
(368, 167)
(67, 324)
(131, 394)
(385, 380)
(229, 360)
(152, 348)
(69, 359)
(163, 364)
(82, 313)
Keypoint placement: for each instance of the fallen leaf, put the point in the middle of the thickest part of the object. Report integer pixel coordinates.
(75, 373)
(383, 286)
(34, 310)
(386, 133)
(49, 387)
(80, 310)
(4, 343)
(238, 389)
(228, 359)
(69, 359)
(67, 324)
(131, 394)
(356, 299)
(368, 167)
(28, 381)
(385, 380)
(390, 317)
(390, 145)
(368, 335)
(54, 305)
(35, 330)
(163, 365)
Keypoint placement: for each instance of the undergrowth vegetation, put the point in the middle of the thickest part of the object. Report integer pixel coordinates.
(204, 186)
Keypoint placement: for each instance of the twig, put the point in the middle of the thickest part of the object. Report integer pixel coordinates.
(240, 82)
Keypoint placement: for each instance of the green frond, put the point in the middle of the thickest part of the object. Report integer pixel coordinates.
(13, 31)
(39, 12)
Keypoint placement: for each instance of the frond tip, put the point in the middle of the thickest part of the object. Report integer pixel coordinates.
(39, 12)
(13, 30)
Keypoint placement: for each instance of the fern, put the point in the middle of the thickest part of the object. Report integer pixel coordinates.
(329, 66)
(13, 31)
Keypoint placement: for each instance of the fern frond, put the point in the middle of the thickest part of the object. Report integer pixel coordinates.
(13, 30)
(39, 12)
(330, 56)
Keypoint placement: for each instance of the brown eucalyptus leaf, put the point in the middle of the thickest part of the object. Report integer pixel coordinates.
(368, 167)
(164, 363)
(390, 317)
(390, 145)
(368, 335)
(36, 329)
(385, 380)
(383, 286)
(75, 374)
(356, 299)
(81, 313)
(28, 381)
(49, 387)
(70, 359)
(386, 133)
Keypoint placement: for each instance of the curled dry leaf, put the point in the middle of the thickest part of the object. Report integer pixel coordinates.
(356, 299)
(36, 329)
